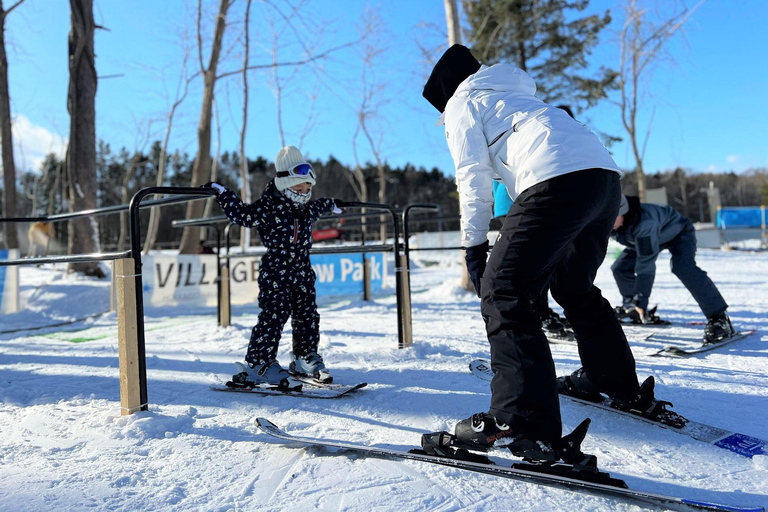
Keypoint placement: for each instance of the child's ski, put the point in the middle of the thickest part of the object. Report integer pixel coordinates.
(674, 351)
(306, 391)
(745, 445)
(540, 474)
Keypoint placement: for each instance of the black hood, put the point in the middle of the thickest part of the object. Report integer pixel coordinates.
(632, 216)
(456, 64)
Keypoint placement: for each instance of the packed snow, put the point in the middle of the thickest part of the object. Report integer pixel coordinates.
(64, 445)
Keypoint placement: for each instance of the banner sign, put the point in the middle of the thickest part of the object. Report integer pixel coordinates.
(9, 283)
(188, 279)
(191, 279)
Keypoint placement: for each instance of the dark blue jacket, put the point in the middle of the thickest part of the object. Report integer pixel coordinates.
(285, 228)
(648, 229)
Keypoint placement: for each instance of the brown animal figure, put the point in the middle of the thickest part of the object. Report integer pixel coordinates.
(39, 236)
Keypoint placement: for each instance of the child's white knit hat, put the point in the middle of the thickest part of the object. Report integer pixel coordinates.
(286, 160)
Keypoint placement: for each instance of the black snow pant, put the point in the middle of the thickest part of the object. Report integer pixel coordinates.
(285, 292)
(683, 265)
(556, 232)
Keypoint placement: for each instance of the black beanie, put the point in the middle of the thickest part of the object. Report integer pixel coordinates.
(456, 64)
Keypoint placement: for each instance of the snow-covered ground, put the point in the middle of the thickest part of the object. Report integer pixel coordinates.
(65, 447)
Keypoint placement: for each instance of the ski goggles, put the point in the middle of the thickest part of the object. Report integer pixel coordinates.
(298, 171)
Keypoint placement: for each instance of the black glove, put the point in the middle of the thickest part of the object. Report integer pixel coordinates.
(476, 258)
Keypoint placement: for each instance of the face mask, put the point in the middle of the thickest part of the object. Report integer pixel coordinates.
(297, 197)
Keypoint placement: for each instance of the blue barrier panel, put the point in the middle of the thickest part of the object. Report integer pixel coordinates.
(342, 274)
(729, 218)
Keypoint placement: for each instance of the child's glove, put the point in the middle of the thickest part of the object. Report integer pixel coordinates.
(336, 208)
(218, 188)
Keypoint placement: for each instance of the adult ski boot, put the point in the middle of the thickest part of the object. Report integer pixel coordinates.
(311, 366)
(555, 326)
(718, 328)
(482, 431)
(579, 386)
(269, 375)
(633, 315)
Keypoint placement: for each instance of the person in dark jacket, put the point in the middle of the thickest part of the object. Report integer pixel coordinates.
(646, 230)
(284, 217)
(566, 192)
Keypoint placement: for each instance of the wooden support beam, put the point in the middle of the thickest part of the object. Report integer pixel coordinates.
(225, 311)
(127, 336)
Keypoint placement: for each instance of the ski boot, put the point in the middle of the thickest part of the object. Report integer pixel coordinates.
(577, 385)
(269, 375)
(482, 431)
(311, 366)
(718, 328)
(643, 403)
(554, 326)
(635, 316)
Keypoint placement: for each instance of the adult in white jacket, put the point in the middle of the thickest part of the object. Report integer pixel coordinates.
(567, 192)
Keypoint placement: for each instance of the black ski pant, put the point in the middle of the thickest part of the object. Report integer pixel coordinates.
(556, 232)
(285, 292)
(683, 265)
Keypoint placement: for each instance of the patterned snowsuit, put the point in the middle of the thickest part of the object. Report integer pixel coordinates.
(286, 279)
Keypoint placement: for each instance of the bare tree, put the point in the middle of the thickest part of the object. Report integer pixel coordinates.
(81, 153)
(452, 22)
(642, 41)
(9, 168)
(371, 104)
(201, 169)
(182, 87)
(245, 190)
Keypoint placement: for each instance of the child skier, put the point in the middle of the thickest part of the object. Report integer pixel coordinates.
(284, 216)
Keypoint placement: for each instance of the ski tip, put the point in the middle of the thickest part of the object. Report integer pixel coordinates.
(716, 506)
(266, 425)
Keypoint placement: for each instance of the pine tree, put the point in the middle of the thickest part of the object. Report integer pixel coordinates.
(535, 36)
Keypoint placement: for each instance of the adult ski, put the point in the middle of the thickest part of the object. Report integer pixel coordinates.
(742, 444)
(326, 391)
(675, 351)
(526, 472)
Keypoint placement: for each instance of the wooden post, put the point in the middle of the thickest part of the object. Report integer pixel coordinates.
(407, 340)
(127, 336)
(366, 278)
(225, 311)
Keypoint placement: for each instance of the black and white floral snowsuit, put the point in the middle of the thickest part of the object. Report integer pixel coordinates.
(286, 279)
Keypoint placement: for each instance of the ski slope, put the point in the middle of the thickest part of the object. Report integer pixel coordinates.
(65, 447)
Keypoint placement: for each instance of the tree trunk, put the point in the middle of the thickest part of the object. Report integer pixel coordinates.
(452, 22)
(201, 169)
(9, 168)
(81, 154)
(245, 191)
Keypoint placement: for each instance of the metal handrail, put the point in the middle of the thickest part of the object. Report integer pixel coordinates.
(135, 233)
(69, 258)
(111, 209)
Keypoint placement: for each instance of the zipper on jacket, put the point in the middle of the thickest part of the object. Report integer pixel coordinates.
(295, 230)
(494, 141)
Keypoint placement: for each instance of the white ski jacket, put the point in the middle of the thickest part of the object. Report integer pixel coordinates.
(497, 129)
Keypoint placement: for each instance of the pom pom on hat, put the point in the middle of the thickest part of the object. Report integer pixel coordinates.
(286, 159)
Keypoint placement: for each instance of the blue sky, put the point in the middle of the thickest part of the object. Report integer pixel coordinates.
(709, 102)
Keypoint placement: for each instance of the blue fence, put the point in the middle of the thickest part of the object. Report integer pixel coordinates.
(741, 217)
(342, 274)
